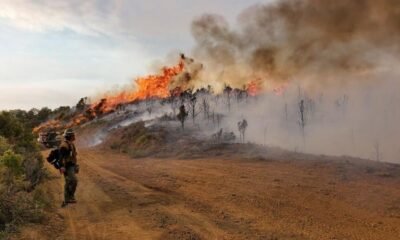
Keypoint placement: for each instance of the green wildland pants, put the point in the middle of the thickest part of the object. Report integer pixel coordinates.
(71, 181)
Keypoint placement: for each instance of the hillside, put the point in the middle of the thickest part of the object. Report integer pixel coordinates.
(220, 191)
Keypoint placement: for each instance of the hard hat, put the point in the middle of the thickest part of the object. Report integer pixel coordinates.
(69, 133)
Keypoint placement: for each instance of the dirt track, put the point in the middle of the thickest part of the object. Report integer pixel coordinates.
(124, 198)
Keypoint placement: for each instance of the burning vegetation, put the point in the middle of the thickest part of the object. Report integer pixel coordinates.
(302, 73)
(171, 82)
(294, 80)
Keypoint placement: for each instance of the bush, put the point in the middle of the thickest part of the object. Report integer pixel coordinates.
(33, 168)
(13, 163)
(21, 169)
(4, 145)
(17, 208)
(144, 140)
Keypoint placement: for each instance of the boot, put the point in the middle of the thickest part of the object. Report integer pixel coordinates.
(64, 204)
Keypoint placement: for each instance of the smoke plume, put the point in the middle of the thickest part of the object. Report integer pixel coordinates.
(338, 58)
(299, 39)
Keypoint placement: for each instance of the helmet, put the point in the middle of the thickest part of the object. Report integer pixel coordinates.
(68, 133)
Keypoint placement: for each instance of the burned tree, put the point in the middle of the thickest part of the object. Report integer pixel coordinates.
(192, 107)
(228, 94)
(240, 94)
(206, 109)
(216, 118)
(302, 121)
(204, 94)
(99, 108)
(82, 104)
(173, 100)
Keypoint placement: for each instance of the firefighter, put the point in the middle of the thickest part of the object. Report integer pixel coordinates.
(242, 125)
(68, 159)
(182, 115)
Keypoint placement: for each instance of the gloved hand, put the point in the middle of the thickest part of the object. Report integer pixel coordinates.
(62, 170)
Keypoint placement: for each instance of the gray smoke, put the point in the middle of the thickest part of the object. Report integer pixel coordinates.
(299, 39)
(339, 57)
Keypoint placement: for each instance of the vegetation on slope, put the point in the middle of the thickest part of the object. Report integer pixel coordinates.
(136, 140)
(21, 170)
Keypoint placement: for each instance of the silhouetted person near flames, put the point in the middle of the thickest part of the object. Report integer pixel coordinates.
(182, 115)
(242, 125)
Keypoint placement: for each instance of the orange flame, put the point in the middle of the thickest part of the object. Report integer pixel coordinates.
(51, 124)
(152, 86)
(254, 87)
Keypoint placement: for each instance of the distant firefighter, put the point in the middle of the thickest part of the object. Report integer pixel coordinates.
(182, 115)
(242, 125)
(217, 136)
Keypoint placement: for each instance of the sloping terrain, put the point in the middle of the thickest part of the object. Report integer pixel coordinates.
(279, 197)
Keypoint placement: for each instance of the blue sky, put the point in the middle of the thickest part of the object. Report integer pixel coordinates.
(52, 52)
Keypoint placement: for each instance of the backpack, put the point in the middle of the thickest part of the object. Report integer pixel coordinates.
(54, 158)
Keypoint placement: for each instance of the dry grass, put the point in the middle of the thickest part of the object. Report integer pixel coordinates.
(136, 140)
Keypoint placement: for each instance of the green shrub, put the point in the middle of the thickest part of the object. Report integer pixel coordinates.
(26, 210)
(42, 198)
(33, 168)
(17, 208)
(13, 162)
(4, 145)
(143, 140)
(21, 169)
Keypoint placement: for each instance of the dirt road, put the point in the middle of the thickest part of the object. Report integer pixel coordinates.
(123, 198)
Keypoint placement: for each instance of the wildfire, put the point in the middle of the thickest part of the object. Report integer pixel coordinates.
(162, 85)
(51, 124)
(254, 87)
(152, 86)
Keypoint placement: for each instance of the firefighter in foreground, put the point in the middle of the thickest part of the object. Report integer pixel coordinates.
(69, 167)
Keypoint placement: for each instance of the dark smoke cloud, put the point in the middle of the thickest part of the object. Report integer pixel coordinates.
(292, 38)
